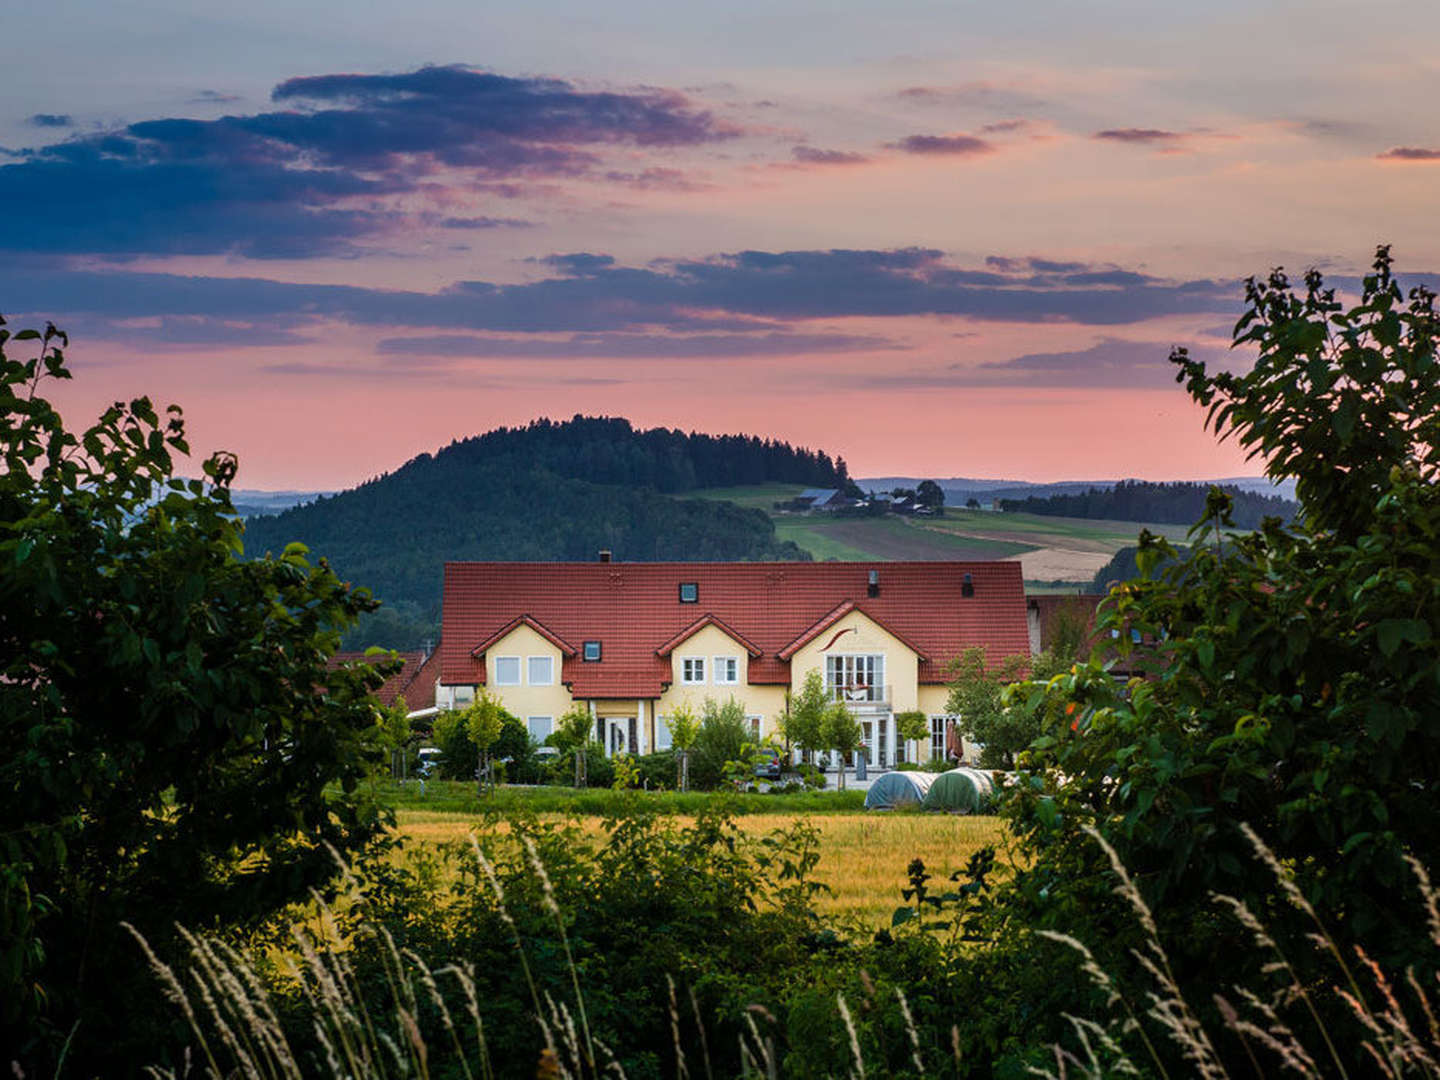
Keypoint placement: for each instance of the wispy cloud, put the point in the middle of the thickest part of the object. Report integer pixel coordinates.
(1410, 153)
(638, 346)
(942, 145)
(1143, 136)
(49, 120)
(812, 155)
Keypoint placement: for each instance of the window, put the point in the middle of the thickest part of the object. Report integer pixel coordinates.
(689, 592)
(541, 671)
(727, 670)
(754, 727)
(507, 671)
(856, 677)
(540, 727)
(662, 734)
(592, 652)
(937, 737)
(692, 670)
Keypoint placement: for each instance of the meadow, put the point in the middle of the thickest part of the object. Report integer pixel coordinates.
(1050, 549)
(863, 857)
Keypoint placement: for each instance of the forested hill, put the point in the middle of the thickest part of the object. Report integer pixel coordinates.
(1167, 504)
(548, 491)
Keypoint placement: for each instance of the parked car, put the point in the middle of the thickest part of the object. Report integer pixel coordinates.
(770, 765)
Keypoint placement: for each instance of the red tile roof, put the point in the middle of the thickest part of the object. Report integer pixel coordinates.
(397, 684)
(534, 624)
(633, 609)
(699, 624)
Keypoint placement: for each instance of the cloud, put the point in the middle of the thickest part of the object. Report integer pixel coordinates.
(329, 170)
(978, 94)
(1410, 153)
(49, 120)
(213, 97)
(484, 223)
(744, 293)
(637, 346)
(1138, 135)
(1001, 127)
(811, 155)
(1044, 266)
(1110, 362)
(955, 145)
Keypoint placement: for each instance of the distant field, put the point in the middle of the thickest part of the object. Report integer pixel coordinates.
(1049, 549)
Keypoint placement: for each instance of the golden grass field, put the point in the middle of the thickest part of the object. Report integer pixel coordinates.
(863, 856)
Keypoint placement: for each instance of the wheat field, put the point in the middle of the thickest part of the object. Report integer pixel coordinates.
(863, 856)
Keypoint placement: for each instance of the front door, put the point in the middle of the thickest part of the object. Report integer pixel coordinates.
(620, 734)
(867, 735)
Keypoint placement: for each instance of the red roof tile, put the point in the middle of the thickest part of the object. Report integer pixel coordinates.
(633, 609)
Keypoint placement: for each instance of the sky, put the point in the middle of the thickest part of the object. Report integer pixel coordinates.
(938, 239)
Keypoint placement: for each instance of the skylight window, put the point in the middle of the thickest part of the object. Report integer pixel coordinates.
(592, 652)
(689, 592)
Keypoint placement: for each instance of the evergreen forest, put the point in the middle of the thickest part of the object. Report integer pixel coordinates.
(1176, 503)
(548, 491)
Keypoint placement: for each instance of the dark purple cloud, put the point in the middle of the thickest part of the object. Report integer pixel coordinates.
(483, 223)
(49, 120)
(1001, 127)
(955, 145)
(1138, 135)
(286, 183)
(812, 155)
(1410, 153)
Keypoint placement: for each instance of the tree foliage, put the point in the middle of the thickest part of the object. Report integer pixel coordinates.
(168, 728)
(1295, 681)
(805, 721)
(841, 732)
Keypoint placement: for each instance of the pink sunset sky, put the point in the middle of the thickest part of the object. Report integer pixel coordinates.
(943, 240)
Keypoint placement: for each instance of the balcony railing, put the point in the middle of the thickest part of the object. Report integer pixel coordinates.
(861, 695)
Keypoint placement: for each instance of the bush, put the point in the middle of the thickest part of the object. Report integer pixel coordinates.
(937, 765)
(810, 776)
(657, 770)
(599, 769)
(724, 732)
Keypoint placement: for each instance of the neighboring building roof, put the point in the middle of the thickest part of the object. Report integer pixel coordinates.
(633, 609)
(818, 495)
(1050, 608)
(397, 684)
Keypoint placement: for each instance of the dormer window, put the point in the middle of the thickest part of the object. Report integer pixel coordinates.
(592, 652)
(689, 592)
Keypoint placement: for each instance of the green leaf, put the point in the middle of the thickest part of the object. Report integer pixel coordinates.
(902, 915)
(1389, 633)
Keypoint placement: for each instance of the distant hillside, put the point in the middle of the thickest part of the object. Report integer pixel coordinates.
(548, 491)
(250, 502)
(1140, 500)
(1124, 566)
(958, 489)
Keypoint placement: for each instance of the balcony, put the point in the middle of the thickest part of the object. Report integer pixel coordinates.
(862, 698)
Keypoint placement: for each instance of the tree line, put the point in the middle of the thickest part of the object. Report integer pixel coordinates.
(1177, 503)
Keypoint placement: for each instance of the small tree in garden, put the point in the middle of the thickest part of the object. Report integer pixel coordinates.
(805, 722)
(977, 695)
(912, 726)
(483, 721)
(841, 733)
(684, 730)
(393, 724)
(572, 735)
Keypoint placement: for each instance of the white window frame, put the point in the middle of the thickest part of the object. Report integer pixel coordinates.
(848, 666)
(548, 680)
(731, 666)
(757, 723)
(686, 677)
(663, 739)
(519, 671)
(549, 727)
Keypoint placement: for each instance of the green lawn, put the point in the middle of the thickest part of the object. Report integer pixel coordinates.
(755, 496)
(446, 797)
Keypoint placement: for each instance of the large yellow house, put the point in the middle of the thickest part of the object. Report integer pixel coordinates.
(634, 641)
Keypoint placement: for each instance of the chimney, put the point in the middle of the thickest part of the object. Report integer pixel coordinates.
(604, 554)
(873, 588)
(967, 586)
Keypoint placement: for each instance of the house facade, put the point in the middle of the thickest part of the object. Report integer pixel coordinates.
(632, 642)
